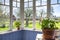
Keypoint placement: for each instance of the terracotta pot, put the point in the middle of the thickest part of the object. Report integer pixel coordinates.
(18, 28)
(48, 34)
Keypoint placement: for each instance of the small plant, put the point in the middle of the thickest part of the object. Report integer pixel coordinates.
(16, 23)
(48, 24)
(48, 29)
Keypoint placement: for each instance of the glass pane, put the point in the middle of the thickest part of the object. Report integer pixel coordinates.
(53, 1)
(56, 14)
(40, 13)
(56, 9)
(14, 0)
(14, 4)
(44, 2)
(16, 14)
(4, 18)
(30, 4)
(37, 3)
(7, 2)
(26, 4)
(18, 4)
(30, 0)
(1, 1)
(18, 0)
(28, 13)
(25, 0)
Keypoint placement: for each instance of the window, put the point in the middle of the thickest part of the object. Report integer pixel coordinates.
(14, 3)
(18, 0)
(16, 13)
(30, 4)
(18, 4)
(56, 11)
(28, 14)
(26, 4)
(44, 2)
(4, 18)
(53, 1)
(1, 1)
(40, 14)
(30, 0)
(37, 3)
(25, 0)
(7, 2)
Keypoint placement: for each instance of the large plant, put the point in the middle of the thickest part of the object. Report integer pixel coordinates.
(48, 24)
(16, 23)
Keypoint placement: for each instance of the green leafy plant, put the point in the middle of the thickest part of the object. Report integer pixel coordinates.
(48, 24)
(16, 23)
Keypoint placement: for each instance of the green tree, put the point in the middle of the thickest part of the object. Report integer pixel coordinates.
(42, 14)
(3, 14)
(28, 13)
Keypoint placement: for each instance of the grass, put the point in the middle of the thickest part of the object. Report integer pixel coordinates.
(38, 26)
(3, 29)
(58, 25)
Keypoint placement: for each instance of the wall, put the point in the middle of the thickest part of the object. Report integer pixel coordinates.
(19, 35)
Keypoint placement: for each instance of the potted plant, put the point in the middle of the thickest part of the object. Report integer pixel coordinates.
(48, 29)
(17, 24)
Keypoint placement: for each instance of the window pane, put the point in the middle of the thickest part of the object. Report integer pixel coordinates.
(4, 18)
(53, 1)
(44, 2)
(14, 3)
(26, 4)
(18, 0)
(14, 0)
(56, 14)
(37, 3)
(56, 9)
(40, 13)
(30, 4)
(30, 0)
(25, 0)
(7, 2)
(18, 4)
(16, 13)
(1, 1)
(28, 13)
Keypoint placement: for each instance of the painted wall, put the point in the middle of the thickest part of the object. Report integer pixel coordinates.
(20, 35)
